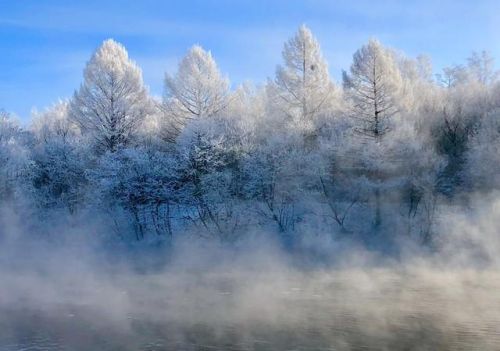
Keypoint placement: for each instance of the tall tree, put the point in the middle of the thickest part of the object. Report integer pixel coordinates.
(372, 86)
(302, 85)
(112, 101)
(198, 89)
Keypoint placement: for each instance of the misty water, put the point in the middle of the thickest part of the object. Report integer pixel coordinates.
(216, 299)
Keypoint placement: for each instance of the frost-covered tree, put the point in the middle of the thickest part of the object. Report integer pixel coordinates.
(142, 182)
(8, 128)
(372, 85)
(481, 67)
(197, 89)
(54, 123)
(302, 87)
(288, 157)
(57, 174)
(57, 171)
(210, 156)
(274, 171)
(418, 94)
(452, 76)
(112, 100)
(483, 156)
(463, 108)
(12, 155)
(453, 134)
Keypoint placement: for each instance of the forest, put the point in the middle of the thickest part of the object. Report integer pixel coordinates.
(380, 158)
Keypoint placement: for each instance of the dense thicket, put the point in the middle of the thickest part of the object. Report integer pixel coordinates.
(379, 156)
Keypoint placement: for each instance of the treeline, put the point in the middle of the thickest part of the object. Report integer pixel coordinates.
(377, 156)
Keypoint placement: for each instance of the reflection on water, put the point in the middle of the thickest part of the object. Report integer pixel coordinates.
(376, 309)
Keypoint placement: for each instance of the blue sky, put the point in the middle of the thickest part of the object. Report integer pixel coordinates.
(44, 44)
